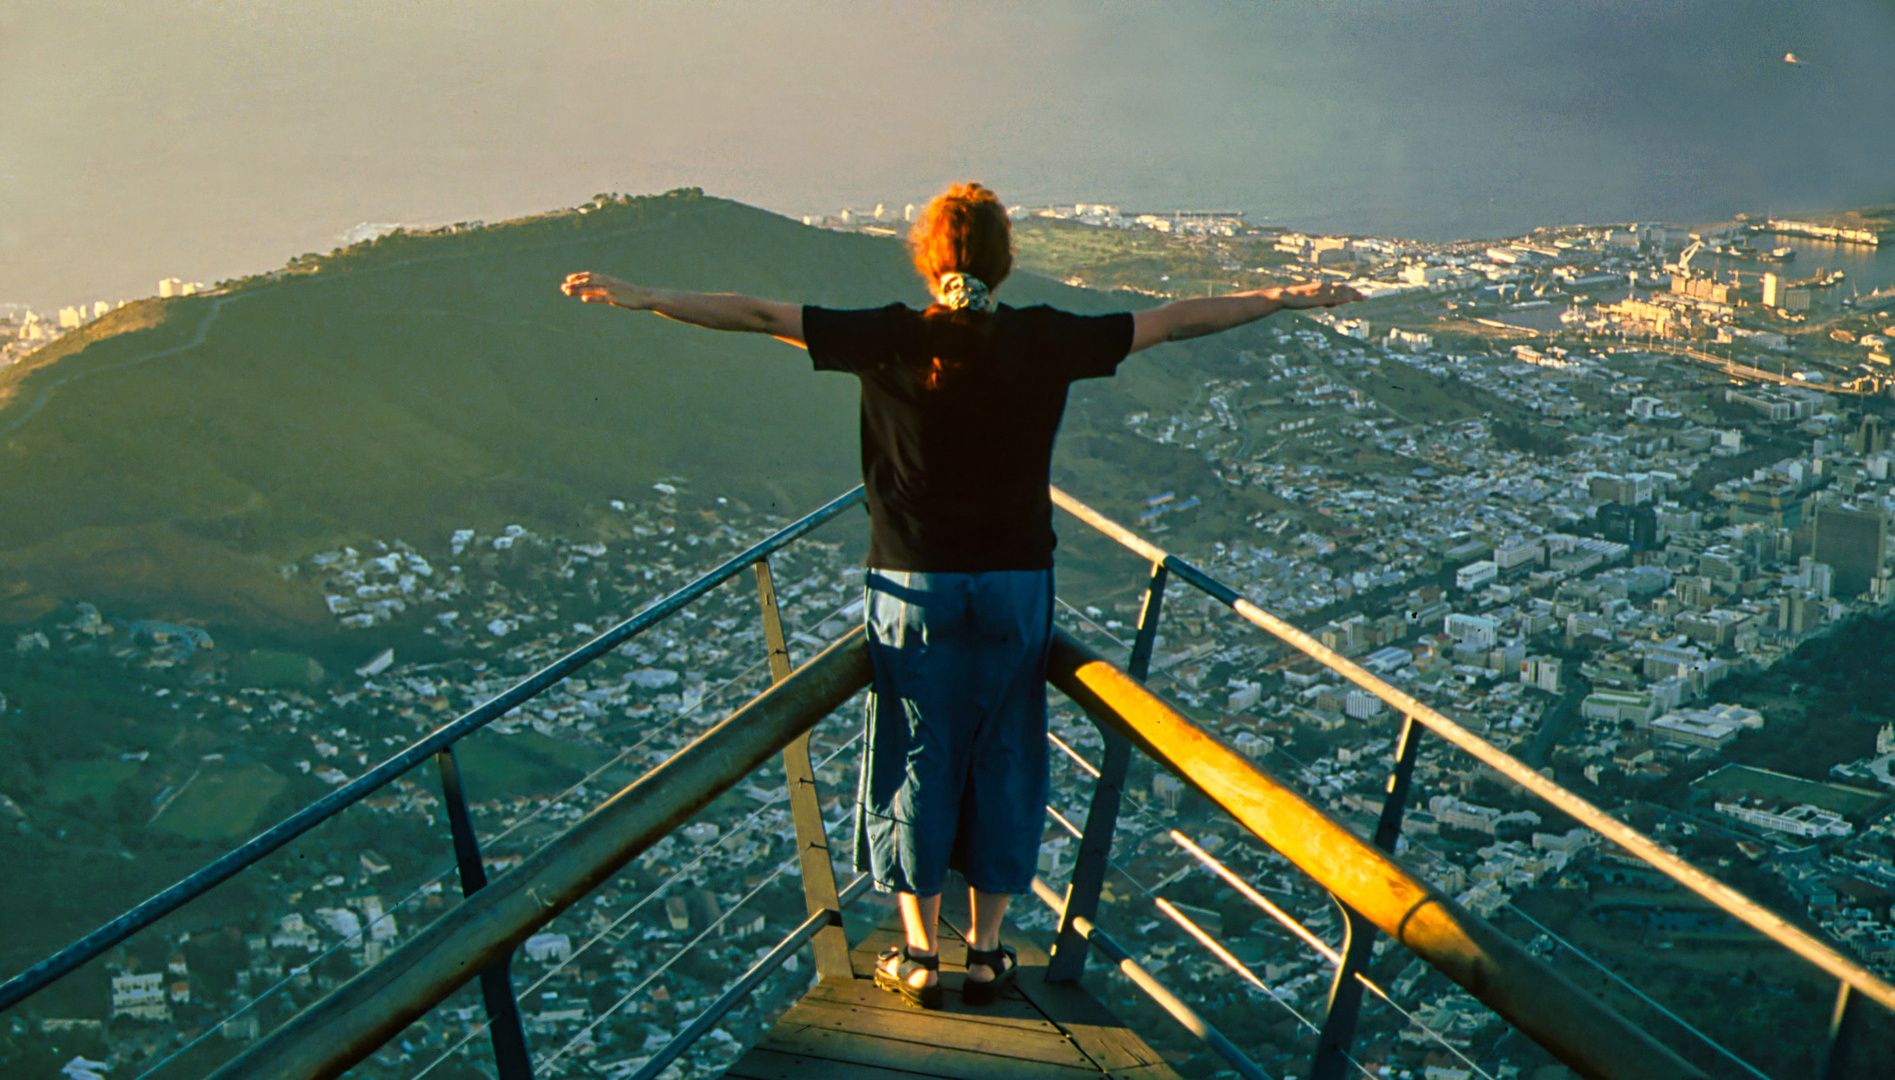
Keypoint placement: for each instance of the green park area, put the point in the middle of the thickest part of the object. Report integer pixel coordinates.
(1140, 260)
(1791, 790)
(74, 782)
(526, 763)
(220, 802)
(276, 670)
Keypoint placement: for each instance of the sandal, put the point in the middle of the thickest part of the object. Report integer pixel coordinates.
(906, 964)
(1002, 962)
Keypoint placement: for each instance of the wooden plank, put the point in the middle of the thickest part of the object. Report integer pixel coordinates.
(1098, 1033)
(1095, 1029)
(946, 1062)
(938, 1028)
(762, 1064)
(1008, 1012)
(1157, 1071)
(1101, 1041)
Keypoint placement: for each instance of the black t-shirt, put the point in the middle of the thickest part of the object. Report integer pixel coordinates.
(957, 474)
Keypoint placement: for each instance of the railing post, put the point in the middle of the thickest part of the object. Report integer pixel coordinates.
(496, 979)
(831, 943)
(1845, 1025)
(1345, 992)
(1095, 841)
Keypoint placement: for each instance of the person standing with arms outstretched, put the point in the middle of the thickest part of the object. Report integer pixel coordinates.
(960, 406)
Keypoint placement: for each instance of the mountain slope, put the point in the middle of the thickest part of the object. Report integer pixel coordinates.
(416, 384)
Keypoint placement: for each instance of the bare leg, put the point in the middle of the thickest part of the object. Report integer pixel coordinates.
(919, 917)
(988, 910)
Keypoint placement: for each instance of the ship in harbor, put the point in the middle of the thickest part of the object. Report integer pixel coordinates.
(1872, 227)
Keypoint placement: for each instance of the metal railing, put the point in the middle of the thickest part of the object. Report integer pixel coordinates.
(1529, 995)
(1461, 946)
(356, 1019)
(1375, 892)
(325, 1039)
(504, 1022)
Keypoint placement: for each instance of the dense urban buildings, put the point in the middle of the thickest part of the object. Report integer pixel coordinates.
(1574, 540)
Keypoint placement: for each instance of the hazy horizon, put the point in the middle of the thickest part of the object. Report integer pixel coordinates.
(205, 139)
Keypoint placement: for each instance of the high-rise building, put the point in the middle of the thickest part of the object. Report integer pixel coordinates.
(1772, 291)
(1851, 542)
(1871, 437)
(1472, 631)
(1627, 490)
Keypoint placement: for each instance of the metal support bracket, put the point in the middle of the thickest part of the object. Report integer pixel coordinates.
(1095, 841)
(1845, 1059)
(496, 979)
(830, 944)
(1345, 992)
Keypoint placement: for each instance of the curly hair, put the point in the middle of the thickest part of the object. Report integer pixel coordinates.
(963, 230)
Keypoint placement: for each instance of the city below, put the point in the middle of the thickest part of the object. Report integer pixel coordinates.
(1590, 492)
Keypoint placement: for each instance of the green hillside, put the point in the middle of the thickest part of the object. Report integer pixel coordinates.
(171, 456)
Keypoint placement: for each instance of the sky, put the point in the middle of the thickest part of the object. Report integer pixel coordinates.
(205, 139)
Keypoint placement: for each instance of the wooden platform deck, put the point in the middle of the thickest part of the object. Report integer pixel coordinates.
(849, 1030)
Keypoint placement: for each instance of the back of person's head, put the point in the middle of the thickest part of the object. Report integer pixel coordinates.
(965, 231)
(963, 248)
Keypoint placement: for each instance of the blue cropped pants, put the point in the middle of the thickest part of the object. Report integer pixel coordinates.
(954, 767)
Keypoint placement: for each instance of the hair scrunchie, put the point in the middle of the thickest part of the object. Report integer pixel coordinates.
(962, 292)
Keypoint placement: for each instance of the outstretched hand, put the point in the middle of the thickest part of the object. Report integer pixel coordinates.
(712, 311)
(1316, 294)
(593, 288)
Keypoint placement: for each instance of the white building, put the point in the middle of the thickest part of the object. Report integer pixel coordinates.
(1541, 672)
(1450, 811)
(1811, 822)
(1361, 704)
(1613, 706)
(1731, 714)
(1475, 574)
(345, 923)
(141, 996)
(1471, 631)
(1694, 731)
(1355, 328)
(1167, 789)
(293, 933)
(381, 924)
(1425, 275)
(1517, 553)
(548, 948)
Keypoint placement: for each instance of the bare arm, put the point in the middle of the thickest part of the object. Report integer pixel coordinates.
(712, 311)
(1184, 319)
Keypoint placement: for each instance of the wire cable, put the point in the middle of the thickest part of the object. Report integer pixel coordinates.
(738, 830)
(386, 916)
(1276, 912)
(440, 875)
(586, 1031)
(520, 823)
(703, 701)
(1640, 994)
(1193, 930)
(1328, 952)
